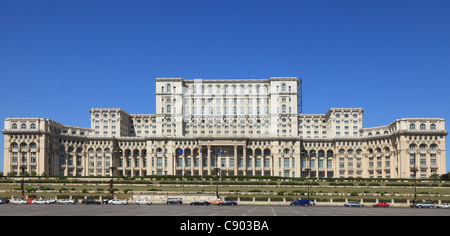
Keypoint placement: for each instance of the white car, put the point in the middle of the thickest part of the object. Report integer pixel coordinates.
(143, 202)
(40, 201)
(117, 202)
(18, 201)
(66, 201)
(51, 200)
(443, 205)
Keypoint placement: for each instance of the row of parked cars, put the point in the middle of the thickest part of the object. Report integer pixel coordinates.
(414, 205)
(179, 201)
(429, 205)
(380, 204)
(169, 201)
(20, 201)
(41, 201)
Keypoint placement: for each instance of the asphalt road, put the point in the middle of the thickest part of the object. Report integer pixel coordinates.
(188, 210)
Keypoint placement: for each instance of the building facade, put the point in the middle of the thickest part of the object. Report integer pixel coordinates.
(237, 127)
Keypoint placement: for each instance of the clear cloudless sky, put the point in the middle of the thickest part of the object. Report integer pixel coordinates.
(58, 58)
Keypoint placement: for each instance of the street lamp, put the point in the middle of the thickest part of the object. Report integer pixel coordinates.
(23, 168)
(307, 169)
(111, 182)
(415, 181)
(217, 182)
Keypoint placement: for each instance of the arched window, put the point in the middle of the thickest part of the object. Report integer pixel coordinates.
(33, 126)
(169, 108)
(168, 88)
(283, 109)
(286, 151)
(433, 126)
(412, 126)
(433, 147)
(283, 88)
(14, 126)
(23, 126)
(412, 147)
(422, 126)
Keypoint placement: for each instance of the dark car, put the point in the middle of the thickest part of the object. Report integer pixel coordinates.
(4, 200)
(171, 201)
(90, 201)
(200, 203)
(302, 203)
(227, 203)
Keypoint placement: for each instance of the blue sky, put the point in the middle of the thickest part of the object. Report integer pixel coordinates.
(58, 58)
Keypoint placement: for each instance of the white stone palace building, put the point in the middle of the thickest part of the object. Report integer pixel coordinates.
(240, 127)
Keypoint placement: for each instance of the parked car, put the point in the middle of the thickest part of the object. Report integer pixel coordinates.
(117, 202)
(40, 201)
(381, 204)
(353, 204)
(216, 202)
(201, 203)
(171, 201)
(143, 202)
(227, 203)
(443, 205)
(4, 201)
(66, 201)
(18, 201)
(51, 200)
(90, 201)
(30, 200)
(423, 205)
(302, 203)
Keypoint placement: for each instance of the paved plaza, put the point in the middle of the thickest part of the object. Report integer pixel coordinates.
(188, 210)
